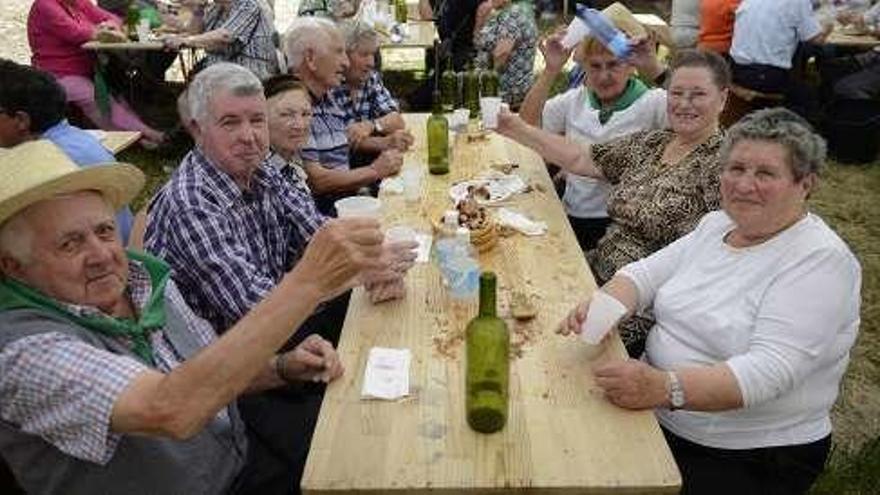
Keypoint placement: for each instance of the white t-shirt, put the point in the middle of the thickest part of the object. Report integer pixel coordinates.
(685, 23)
(782, 315)
(572, 115)
(768, 32)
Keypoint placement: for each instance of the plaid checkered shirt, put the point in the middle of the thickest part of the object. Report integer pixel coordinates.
(228, 247)
(373, 99)
(62, 389)
(252, 32)
(328, 142)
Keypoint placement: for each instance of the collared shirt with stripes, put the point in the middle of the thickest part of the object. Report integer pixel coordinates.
(328, 142)
(228, 247)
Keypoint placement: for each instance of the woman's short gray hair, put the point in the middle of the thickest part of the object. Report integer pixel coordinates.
(357, 32)
(222, 76)
(806, 149)
(305, 33)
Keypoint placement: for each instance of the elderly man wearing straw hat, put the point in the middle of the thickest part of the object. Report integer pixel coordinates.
(611, 102)
(108, 381)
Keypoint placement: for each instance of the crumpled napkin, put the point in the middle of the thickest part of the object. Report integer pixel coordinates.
(500, 187)
(392, 185)
(520, 222)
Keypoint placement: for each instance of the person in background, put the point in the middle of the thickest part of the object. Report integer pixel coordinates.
(330, 9)
(505, 36)
(376, 123)
(662, 180)
(32, 107)
(315, 50)
(716, 25)
(863, 80)
(610, 102)
(237, 31)
(109, 379)
(765, 38)
(757, 310)
(56, 30)
(684, 22)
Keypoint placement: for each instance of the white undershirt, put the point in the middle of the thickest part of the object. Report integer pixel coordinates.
(572, 115)
(782, 315)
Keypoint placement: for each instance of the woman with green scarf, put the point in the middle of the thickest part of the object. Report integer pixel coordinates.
(659, 181)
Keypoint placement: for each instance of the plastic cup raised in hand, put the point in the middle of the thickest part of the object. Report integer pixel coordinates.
(143, 30)
(400, 233)
(604, 312)
(489, 107)
(358, 206)
(574, 33)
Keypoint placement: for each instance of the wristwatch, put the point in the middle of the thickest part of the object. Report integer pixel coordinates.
(675, 392)
(377, 126)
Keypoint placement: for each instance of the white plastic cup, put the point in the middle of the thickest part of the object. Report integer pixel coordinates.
(143, 30)
(412, 184)
(604, 312)
(489, 107)
(400, 233)
(358, 206)
(460, 117)
(574, 33)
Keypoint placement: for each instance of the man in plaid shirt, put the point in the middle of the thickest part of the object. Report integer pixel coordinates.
(94, 393)
(377, 123)
(315, 50)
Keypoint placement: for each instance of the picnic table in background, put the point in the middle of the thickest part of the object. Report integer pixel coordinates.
(847, 37)
(562, 435)
(116, 141)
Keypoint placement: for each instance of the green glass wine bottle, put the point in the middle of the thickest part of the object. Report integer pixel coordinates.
(489, 81)
(438, 138)
(400, 11)
(132, 18)
(472, 91)
(449, 89)
(488, 363)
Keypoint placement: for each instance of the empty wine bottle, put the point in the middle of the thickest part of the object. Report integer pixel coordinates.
(449, 89)
(472, 91)
(488, 363)
(438, 138)
(400, 13)
(489, 81)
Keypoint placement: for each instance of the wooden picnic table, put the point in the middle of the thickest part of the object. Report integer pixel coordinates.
(125, 45)
(116, 141)
(842, 37)
(562, 435)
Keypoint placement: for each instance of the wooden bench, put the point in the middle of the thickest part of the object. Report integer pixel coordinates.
(742, 100)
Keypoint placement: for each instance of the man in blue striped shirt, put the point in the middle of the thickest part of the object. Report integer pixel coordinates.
(315, 51)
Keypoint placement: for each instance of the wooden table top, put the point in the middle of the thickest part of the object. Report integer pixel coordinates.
(842, 37)
(116, 141)
(562, 435)
(127, 45)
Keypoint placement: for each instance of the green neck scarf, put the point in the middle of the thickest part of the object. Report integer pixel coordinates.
(635, 88)
(15, 295)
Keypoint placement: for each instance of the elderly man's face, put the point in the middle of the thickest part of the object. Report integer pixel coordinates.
(331, 62)
(235, 134)
(76, 255)
(361, 61)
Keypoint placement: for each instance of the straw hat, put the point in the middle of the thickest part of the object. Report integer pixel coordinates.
(627, 22)
(37, 170)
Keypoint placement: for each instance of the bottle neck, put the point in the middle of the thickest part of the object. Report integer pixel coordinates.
(488, 307)
(436, 103)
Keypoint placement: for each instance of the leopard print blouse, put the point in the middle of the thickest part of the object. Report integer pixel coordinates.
(651, 203)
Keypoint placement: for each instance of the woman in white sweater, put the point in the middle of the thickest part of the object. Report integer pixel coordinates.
(756, 311)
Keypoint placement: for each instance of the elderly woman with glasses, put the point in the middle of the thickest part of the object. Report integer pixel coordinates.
(662, 180)
(756, 311)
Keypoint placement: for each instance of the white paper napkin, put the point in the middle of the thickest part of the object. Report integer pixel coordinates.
(387, 374)
(604, 312)
(520, 222)
(500, 187)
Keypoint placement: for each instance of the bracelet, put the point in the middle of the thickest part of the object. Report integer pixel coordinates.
(278, 365)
